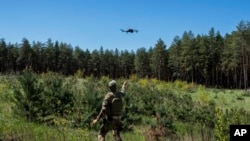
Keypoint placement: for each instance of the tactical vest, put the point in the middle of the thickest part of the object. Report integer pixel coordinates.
(116, 104)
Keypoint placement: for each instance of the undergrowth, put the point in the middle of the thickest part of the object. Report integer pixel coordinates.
(154, 110)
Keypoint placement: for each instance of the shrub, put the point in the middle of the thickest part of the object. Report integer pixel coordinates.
(57, 97)
(246, 93)
(28, 96)
(227, 118)
(42, 99)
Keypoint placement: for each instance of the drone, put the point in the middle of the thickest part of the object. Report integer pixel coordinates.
(130, 30)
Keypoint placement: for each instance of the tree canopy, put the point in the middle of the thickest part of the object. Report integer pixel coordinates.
(208, 59)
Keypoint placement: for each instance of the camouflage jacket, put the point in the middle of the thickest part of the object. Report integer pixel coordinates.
(106, 111)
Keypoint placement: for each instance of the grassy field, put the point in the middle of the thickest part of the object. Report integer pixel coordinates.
(15, 129)
(224, 98)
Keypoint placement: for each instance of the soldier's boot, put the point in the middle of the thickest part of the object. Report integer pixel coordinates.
(116, 136)
(101, 138)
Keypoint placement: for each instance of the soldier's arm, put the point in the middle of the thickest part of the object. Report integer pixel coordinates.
(104, 108)
(123, 87)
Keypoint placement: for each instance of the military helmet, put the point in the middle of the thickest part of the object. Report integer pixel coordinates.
(112, 83)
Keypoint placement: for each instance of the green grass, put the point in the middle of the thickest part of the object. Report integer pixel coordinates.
(15, 129)
(12, 128)
(224, 98)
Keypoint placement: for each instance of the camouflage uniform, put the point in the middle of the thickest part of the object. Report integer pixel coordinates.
(110, 121)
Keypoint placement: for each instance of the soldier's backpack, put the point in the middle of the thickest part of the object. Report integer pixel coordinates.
(116, 104)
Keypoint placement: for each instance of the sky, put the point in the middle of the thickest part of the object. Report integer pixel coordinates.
(91, 24)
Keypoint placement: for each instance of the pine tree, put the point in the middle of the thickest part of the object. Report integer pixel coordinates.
(175, 58)
(3, 53)
(158, 60)
(141, 62)
(25, 55)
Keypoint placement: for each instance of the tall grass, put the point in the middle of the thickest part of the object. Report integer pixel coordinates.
(16, 129)
(13, 128)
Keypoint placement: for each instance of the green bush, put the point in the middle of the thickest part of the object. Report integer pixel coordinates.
(57, 98)
(155, 106)
(226, 118)
(28, 96)
(87, 102)
(42, 99)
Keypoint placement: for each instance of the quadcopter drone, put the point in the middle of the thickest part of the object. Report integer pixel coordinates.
(130, 30)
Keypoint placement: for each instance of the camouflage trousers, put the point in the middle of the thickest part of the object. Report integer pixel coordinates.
(110, 124)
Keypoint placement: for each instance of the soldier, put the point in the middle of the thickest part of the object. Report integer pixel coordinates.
(111, 112)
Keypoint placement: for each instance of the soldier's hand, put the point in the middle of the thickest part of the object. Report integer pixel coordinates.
(94, 122)
(125, 83)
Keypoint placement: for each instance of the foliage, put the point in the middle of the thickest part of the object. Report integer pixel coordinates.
(152, 108)
(87, 101)
(57, 99)
(28, 96)
(142, 62)
(42, 99)
(208, 59)
(159, 60)
(226, 118)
